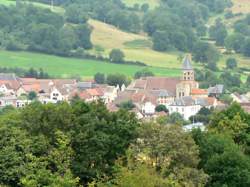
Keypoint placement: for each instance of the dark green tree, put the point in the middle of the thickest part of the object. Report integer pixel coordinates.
(116, 56)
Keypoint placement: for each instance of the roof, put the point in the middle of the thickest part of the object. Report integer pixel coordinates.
(184, 101)
(8, 76)
(32, 87)
(197, 91)
(187, 65)
(217, 89)
(95, 92)
(162, 83)
(84, 85)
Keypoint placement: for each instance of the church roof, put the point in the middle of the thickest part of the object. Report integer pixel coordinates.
(187, 65)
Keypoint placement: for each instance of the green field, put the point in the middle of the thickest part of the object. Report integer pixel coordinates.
(66, 67)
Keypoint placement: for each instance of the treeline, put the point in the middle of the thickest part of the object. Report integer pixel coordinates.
(30, 73)
(175, 24)
(25, 27)
(239, 40)
(178, 24)
(82, 144)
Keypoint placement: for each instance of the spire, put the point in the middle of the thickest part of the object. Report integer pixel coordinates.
(187, 63)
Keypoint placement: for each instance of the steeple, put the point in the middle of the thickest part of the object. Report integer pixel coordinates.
(187, 63)
(188, 72)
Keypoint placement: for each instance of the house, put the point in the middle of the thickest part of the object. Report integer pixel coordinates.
(8, 101)
(56, 95)
(22, 103)
(216, 90)
(6, 89)
(239, 98)
(197, 92)
(10, 80)
(186, 106)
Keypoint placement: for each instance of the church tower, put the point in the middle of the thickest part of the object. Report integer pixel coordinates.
(187, 69)
(187, 83)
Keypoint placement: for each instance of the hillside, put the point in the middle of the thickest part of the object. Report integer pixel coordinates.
(136, 47)
(67, 67)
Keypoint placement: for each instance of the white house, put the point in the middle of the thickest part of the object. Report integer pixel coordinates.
(148, 108)
(6, 89)
(22, 103)
(7, 101)
(56, 95)
(185, 106)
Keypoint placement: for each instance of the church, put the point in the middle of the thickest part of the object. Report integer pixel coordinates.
(187, 83)
(179, 94)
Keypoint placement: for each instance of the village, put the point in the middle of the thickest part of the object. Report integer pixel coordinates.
(179, 95)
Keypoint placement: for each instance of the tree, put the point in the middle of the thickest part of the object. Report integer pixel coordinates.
(127, 105)
(246, 48)
(205, 53)
(116, 56)
(144, 7)
(161, 108)
(176, 118)
(117, 79)
(161, 41)
(32, 95)
(222, 160)
(234, 42)
(99, 138)
(231, 63)
(248, 80)
(218, 32)
(75, 14)
(143, 73)
(99, 78)
(83, 32)
(171, 151)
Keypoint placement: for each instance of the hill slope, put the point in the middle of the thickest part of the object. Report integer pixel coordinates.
(136, 47)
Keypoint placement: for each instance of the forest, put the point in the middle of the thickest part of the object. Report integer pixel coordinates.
(80, 144)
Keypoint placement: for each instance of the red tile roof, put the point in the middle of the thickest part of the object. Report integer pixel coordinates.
(197, 91)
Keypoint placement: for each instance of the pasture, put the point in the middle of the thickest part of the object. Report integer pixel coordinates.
(67, 67)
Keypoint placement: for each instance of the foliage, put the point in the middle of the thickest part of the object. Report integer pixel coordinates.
(143, 73)
(32, 95)
(127, 105)
(218, 32)
(204, 116)
(161, 108)
(99, 78)
(172, 153)
(231, 63)
(176, 118)
(117, 79)
(38, 29)
(116, 56)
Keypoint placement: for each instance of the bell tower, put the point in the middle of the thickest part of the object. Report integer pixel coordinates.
(187, 69)
(187, 82)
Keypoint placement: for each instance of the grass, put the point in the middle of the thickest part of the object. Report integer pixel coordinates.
(151, 3)
(241, 6)
(41, 5)
(137, 47)
(66, 67)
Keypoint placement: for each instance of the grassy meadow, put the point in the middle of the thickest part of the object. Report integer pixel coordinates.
(137, 47)
(66, 67)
